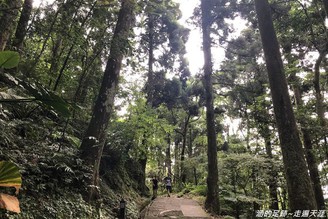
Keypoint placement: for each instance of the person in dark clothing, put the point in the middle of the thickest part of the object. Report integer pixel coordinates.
(155, 187)
(168, 185)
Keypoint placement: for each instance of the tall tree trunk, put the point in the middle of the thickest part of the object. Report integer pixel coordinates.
(143, 163)
(8, 20)
(22, 25)
(44, 44)
(183, 149)
(310, 157)
(190, 151)
(168, 162)
(95, 136)
(255, 190)
(86, 75)
(57, 51)
(263, 120)
(319, 98)
(283, 198)
(273, 177)
(151, 77)
(325, 5)
(300, 191)
(212, 200)
(234, 184)
(176, 157)
(61, 72)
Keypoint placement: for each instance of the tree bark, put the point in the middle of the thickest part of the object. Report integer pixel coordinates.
(22, 25)
(95, 136)
(168, 162)
(319, 99)
(151, 77)
(176, 157)
(183, 149)
(325, 5)
(8, 21)
(212, 200)
(300, 191)
(273, 177)
(56, 52)
(310, 157)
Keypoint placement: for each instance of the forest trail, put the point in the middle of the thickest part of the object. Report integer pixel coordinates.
(173, 207)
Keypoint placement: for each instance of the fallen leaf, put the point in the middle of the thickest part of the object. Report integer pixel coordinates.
(9, 202)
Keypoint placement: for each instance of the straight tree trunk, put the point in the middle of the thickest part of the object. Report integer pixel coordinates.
(300, 191)
(143, 163)
(61, 72)
(212, 200)
(264, 130)
(325, 5)
(86, 75)
(45, 42)
(310, 157)
(176, 157)
(85, 78)
(8, 20)
(95, 136)
(22, 25)
(151, 77)
(56, 53)
(319, 98)
(273, 178)
(168, 162)
(183, 150)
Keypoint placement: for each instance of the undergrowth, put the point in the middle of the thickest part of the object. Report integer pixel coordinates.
(54, 177)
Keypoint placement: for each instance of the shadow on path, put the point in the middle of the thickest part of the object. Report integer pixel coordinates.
(173, 207)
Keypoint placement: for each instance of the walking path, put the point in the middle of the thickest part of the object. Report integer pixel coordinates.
(173, 207)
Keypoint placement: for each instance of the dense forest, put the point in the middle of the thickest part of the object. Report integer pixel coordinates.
(97, 97)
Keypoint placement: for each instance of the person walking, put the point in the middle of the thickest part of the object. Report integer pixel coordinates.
(155, 187)
(168, 185)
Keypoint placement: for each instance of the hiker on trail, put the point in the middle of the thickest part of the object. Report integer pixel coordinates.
(168, 185)
(155, 187)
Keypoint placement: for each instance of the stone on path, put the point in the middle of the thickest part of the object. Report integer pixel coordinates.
(172, 207)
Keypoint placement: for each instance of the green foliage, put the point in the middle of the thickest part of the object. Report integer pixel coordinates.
(241, 87)
(9, 59)
(199, 190)
(244, 179)
(148, 129)
(194, 190)
(48, 98)
(54, 182)
(43, 96)
(10, 175)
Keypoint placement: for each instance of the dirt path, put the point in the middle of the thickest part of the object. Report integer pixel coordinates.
(173, 207)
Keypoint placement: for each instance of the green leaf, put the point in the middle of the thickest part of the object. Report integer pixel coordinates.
(10, 175)
(48, 98)
(9, 59)
(43, 96)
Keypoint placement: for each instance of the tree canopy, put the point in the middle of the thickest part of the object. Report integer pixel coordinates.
(97, 97)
